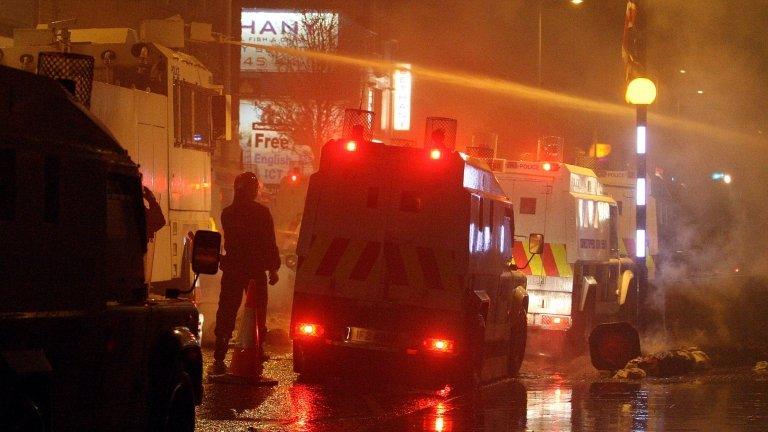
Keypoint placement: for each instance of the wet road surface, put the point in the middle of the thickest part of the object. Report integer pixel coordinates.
(567, 397)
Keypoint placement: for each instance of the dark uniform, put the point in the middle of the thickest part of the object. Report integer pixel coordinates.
(250, 252)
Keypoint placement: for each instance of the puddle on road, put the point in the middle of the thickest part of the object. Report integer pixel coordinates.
(730, 403)
(542, 400)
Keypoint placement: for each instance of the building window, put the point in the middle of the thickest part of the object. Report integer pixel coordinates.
(528, 206)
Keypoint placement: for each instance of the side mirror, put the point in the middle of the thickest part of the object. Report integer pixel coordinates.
(206, 247)
(536, 244)
(511, 265)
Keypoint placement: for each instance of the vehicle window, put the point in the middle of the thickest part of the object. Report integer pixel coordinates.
(509, 228)
(490, 215)
(186, 114)
(614, 236)
(193, 122)
(480, 214)
(126, 239)
(7, 184)
(124, 216)
(202, 121)
(528, 206)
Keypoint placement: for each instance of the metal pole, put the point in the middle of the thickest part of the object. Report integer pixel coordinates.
(640, 213)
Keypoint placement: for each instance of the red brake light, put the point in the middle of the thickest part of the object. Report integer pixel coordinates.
(439, 345)
(435, 154)
(351, 146)
(294, 177)
(309, 330)
(546, 166)
(556, 321)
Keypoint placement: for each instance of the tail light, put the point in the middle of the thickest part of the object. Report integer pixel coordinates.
(556, 321)
(309, 330)
(439, 345)
(351, 146)
(435, 154)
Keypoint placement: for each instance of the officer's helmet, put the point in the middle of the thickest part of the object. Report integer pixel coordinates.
(246, 185)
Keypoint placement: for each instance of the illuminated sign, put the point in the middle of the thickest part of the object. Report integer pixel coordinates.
(402, 82)
(269, 151)
(286, 29)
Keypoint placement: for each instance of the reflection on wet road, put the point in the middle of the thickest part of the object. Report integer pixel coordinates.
(540, 401)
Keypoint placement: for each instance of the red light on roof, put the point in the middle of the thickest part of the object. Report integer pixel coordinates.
(435, 154)
(294, 177)
(546, 166)
(351, 146)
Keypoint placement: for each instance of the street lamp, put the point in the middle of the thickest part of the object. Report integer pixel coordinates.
(641, 92)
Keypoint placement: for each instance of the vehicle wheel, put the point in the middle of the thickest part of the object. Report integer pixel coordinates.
(517, 341)
(180, 413)
(304, 364)
(298, 358)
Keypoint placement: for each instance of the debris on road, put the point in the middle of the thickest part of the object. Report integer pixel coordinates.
(761, 367)
(666, 364)
(630, 372)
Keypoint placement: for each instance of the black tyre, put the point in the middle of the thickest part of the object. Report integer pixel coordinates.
(517, 341)
(305, 364)
(180, 411)
(298, 358)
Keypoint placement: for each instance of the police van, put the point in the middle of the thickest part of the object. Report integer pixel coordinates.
(581, 278)
(403, 255)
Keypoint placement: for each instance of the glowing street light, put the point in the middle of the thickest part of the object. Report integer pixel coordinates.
(641, 92)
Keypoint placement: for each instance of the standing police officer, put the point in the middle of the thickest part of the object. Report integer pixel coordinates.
(251, 253)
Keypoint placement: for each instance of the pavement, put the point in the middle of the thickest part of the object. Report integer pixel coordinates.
(551, 394)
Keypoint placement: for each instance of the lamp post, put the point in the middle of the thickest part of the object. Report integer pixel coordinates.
(641, 92)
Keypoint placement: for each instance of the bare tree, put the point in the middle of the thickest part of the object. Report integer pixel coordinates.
(317, 93)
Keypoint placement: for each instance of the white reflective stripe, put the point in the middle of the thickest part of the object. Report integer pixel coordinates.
(640, 244)
(641, 140)
(640, 195)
